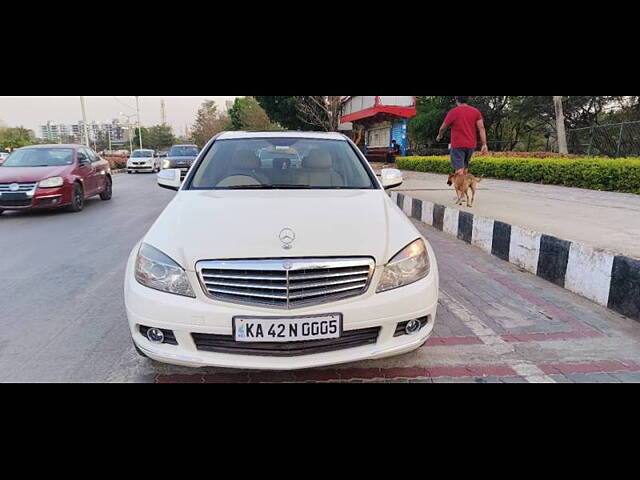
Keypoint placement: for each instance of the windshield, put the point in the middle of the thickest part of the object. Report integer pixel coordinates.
(142, 154)
(183, 151)
(303, 164)
(39, 157)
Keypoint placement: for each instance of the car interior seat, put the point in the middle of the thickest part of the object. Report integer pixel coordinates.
(244, 163)
(317, 170)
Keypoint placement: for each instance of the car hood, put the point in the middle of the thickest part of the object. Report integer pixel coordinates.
(242, 224)
(30, 174)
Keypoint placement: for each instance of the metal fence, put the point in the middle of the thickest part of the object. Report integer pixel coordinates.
(612, 140)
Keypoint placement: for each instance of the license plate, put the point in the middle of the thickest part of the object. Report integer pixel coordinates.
(287, 329)
(14, 196)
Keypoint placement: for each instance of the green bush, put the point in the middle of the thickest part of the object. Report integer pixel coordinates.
(616, 175)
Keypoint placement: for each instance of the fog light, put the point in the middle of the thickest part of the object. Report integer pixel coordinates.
(155, 335)
(412, 327)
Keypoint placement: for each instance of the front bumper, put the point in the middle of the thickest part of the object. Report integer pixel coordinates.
(42, 198)
(141, 168)
(151, 308)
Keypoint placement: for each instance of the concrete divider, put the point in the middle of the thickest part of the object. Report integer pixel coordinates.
(604, 277)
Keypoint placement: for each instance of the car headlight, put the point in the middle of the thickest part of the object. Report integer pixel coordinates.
(51, 182)
(409, 265)
(156, 270)
(166, 164)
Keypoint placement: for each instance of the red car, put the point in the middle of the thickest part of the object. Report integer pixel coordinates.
(52, 176)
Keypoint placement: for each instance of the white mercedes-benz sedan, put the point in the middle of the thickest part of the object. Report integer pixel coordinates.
(273, 264)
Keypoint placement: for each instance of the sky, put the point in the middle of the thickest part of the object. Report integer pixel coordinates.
(31, 112)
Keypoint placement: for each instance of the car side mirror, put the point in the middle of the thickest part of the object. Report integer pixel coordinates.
(391, 177)
(83, 161)
(170, 179)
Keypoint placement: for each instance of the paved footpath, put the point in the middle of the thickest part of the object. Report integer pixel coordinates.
(606, 220)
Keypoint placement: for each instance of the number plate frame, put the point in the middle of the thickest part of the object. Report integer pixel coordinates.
(286, 319)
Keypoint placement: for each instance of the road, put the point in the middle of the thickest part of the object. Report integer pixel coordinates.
(62, 313)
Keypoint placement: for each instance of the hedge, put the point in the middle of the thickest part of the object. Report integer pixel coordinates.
(616, 175)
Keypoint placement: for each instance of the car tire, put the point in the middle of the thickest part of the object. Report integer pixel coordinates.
(129, 172)
(1, 211)
(77, 199)
(108, 190)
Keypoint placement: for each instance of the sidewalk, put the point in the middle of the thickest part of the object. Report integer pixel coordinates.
(604, 220)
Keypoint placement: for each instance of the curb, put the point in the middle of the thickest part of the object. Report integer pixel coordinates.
(610, 280)
(122, 170)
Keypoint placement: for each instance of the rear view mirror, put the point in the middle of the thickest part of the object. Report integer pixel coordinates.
(391, 177)
(170, 179)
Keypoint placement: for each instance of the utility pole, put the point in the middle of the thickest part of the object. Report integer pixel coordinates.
(84, 122)
(139, 125)
(163, 112)
(562, 137)
(128, 117)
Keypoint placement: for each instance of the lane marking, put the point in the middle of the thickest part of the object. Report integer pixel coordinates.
(496, 344)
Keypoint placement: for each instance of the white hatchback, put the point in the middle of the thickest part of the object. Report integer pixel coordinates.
(273, 264)
(144, 160)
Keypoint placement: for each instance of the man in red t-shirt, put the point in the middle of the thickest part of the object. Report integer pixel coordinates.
(463, 120)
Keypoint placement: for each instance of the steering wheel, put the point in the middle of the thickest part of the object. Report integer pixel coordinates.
(238, 179)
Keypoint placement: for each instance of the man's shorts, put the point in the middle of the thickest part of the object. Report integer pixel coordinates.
(460, 157)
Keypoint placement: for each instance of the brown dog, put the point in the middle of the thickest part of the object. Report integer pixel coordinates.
(463, 183)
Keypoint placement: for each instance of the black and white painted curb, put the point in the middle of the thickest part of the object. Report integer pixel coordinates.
(606, 278)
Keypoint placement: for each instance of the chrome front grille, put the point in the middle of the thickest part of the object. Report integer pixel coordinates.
(22, 187)
(285, 283)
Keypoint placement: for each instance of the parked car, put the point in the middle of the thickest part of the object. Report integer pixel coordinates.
(254, 265)
(3, 157)
(182, 157)
(53, 176)
(144, 160)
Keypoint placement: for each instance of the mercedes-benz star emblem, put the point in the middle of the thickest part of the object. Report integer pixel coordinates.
(14, 187)
(287, 236)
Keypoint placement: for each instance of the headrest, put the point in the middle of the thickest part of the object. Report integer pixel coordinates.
(318, 159)
(244, 160)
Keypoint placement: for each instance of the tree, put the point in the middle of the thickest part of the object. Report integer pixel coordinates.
(136, 137)
(562, 137)
(209, 122)
(430, 112)
(320, 112)
(158, 137)
(17, 137)
(247, 114)
(282, 111)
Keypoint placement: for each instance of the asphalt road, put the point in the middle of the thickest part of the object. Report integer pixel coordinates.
(62, 315)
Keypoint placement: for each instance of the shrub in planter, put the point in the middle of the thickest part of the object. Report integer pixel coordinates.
(620, 174)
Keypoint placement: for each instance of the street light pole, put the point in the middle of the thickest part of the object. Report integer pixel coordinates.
(84, 121)
(128, 117)
(139, 125)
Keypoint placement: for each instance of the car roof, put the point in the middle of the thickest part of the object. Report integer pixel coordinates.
(281, 134)
(57, 145)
